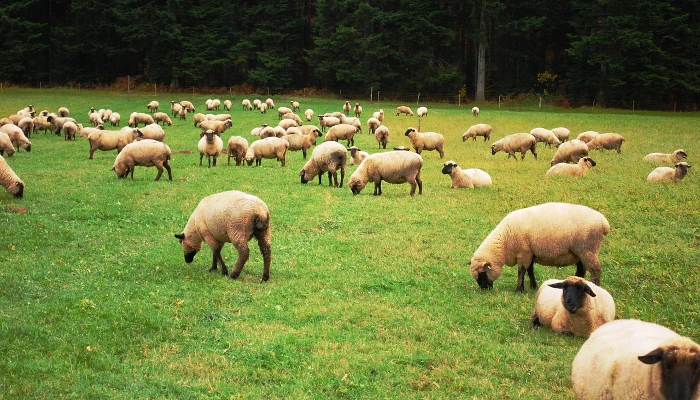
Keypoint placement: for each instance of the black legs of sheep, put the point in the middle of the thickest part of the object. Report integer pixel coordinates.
(580, 272)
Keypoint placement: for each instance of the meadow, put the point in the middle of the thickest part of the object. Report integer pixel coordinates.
(369, 297)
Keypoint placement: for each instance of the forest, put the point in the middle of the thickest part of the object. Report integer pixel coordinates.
(603, 49)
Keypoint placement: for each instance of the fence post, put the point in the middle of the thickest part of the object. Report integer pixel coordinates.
(192, 91)
(371, 93)
(155, 89)
(499, 101)
(418, 101)
(593, 102)
(540, 102)
(340, 93)
(128, 83)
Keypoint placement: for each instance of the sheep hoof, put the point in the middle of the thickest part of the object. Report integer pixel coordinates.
(235, 275)
(212, 269)
(265, 277)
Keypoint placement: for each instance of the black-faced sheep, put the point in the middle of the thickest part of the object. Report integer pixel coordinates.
(210, 145)
(300, 142)
(571, 151)
(63, 112)
(663, 158)
(478, 130)
(271, 147)
(404, 110)
(358, 110)
(161, 117)
(41, 124)
(246, 105)
(379, 115)
(667, 174)
(309, 114)
(295, 105)
(137, 118)
(9, 179)
(111, 140)
(270, 104)
(475, 111)
(357, 155)
(426, 141)
(578, 169)
(341, 131)
(218, 127)
(152, 131)
(115, 119)
(545, 136)
(237, 147)
(228, 104)
(521, 142)
(328, 156)
(145, 153)
(346, 108)
(468, 178)
(372, 125)
(393, 167)
(69, 130)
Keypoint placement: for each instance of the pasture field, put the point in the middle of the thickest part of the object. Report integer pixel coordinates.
(369, 297)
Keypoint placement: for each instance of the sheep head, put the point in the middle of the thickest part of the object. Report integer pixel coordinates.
(18, 190)
(680, 367)
(683, 168)
(574, 292)
(484, 272)
(448, 166)
(190, 249)
(409, 131)
(356, 185)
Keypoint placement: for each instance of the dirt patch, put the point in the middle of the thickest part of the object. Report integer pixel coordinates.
(183, 152)
(16, 209)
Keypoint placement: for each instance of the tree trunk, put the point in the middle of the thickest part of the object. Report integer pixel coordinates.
(481, 58)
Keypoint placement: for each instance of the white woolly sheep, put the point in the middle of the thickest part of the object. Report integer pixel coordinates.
(266, 131)
(572, 306)
(263, 108)
(309, 114)
(153, 106)
(287, 123)
(26, 124)
(219, 117)
(308, 129)
(256, 131)
(17, 137)
(662, 158)
(92, 110)
(210, 145)
(346, 108)
(137, 118)
(256, 104)
(553, 234)
(237, 147)
(357, 155)
(271, 147)
(270, 104)
(293, 130)
(208, 104)
(561, 133)
(6, 121)
(404, 110)
(379, 115)
(162, 117)
(468, 178)
(358, 110)
(632, 359)
(145, 153)
(328, 156)
(382, 136)
(96, 119)
(57, 123)
(6, 147)
(198, 118)
(327, 122)
(247, 106)
(216, 104)
(521, 142)
(228, 104)
(85, 132)
(106, 114)
(336, 114)
(545, 136)
(41, 124)
(393, 167)
(177, 109)
(372, 125)
(587, 136)
(63, 112)
(295, 105)
(607, 141)
(228, 217)
(182, 113)
(115, 118)
(341, 131)
(69, 130)
(571, 151)
(578, 169)
(478, 130)
(281, 111)
(9, 179)
(293, 117)
(300, 142)
(422, 111)
(187, 105)
(354, 121)
(426, 141)
(111, 140)
(153, 132)
(218, 127)
(667, 174)
(475, 111)
(279, 131)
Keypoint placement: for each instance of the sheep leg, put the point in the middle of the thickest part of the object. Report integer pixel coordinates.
(580, 270)
(201, 156)
(342, 175)
(214, 161)
(166, 164)
(521, 279)
(243, 254)
(531, 275)
(216, 258)
(131, 168)
(160, 172)
(265, 249)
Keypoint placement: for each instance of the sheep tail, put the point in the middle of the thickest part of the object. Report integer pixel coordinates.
(262, 222)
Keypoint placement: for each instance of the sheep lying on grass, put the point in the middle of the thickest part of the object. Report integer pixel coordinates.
(9, 179)
(328, 156)
(393, 167)
(357, 155)
(228, 217)
(578, 169)
(667, 174)
(469, 178)
(146, 153)
(521, 142)
(662, 158)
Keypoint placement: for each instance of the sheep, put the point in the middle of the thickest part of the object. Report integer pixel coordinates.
(263, 108)
(209, 104)
(478, 130)
(572, 306)
(182, 113)
(256, 104)
(632, 359)
(335, 114)
(198, 118)
(607, 141)
(85, 132)
(661, 158)
(372, 125)
(228, 217)
(293, 117)
(115, 119)
(218, 127)
(69, 130)
(210, 145)
(153, 106)
(346, 108)
(176, 108)
(426, 141)
(422, 111)
(17, 137)
(571, 151)
(25, 110)
(279, 131)
(475, 111)
(561, 133)
(341, 131)
(281, 111)
(272, 147)
(6, 147)
(161, 117)
(294, 130)
(553, 234)
(404, 110)
(328, 156)
(270, 104)
(287, 123)
(137, 118)
(26, 124)
(354, 121)
(587, 136)
(382, 136)
(300, 142)
(357, 155)
(358, 110)
(63, 112)
(153, 132)
(469, 178)
(145, 153)
(309, 129)
(521, 142)
(41, 124)
(256, 131)
(219, 117)
(327, 122)
(266, 132)
(668, 174)
(6, 121)
(309, 114)
(578, 169)
(216, 104)
(401, 148)
(545, 136)
(187, 105)
(111, 140)
(246, 105)
(237, 147)
(393, 167)
(228, 104)
(92, 110)
(57, 123)
(96, 119)
(295, 105)
(9, 179)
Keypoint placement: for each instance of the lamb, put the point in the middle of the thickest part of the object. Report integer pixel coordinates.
(281, 111)
(346, 108)
(309, 114)
(571, 151)
(210, 145)
(587, 136)
(382, 136)
(263, 108)
(246, 105)
(218, 127)
(256, 104)
(228, 104)
(553, 234)
(426, 141)
(357, 155)
(63, 112)
(9, 179)
(115, 119)
(372, 125)
(69, 130)
(327, 122)
(41, 124)
(475, 111)
(328, 156)
(293, 117)
(661, 158)
(545, 136)
(561, 133)
(228, 217)
(153, 106)
(111, 140)
(26, 124)
(272, 147)
(632, 359)
(379, 115)
(404, 110)
(478, 130)
(469, 178)
(237, 147)
(153, 132)
(521, 142)
(187, 105)
(572, 306)
(607, 141)
(17, 137)
(270, 104)
(137, 118)
(393, 167)
(578, 169)
(422, 111)
(300, 142)
(146, 153)
(6, 147)
(161, 117)
(295, 105)
(341, 131)
(667, 174)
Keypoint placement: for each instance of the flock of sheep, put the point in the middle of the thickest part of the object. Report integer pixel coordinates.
(630, 358)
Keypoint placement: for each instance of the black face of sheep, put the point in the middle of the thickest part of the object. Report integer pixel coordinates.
(303, 178)
(680, 374)
(483, 280)
(188, 256)
(20, 190)
(408, 132)
(447, 169)
(589, 160)
(574, 294)
(682, 166)
(493, 150)
(356, 189)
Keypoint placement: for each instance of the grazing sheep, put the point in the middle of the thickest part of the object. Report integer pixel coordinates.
(218, 127)
(95, 119)
(210, 145)
(521, 142)
(327, 122)
(145, 153)
(571, 151)
(404, 110)
(271, 147)
(26, 124)
(545, 136)
(247, 106)
(354, 121)
(198, 118)
(422, 111)
(357, 155)
(57, 123)
(607, 141)
(300, 142)
(256, 104)
(382, 136)
(63, 112)
(426, 141)
(372, 125)
(578, 169)
(295, 105)
(341, 131)
(393, 167)
(41, 124)
(667, 174)
(573, 306)
(85, 132)
(662, 158)
(328, 156)
(228, 104)
(263, 108)
(219, 117)
(187, 105)
(256, 131)
(17, 137)
(270, 104)
(153, 132)
(236, 148)
(153, 106)
(478, 130)
(379, 115)
(228, 217)
(9, 179)
(587, 136)
(554, 234)
(137, 118)
(632, 359)
(266, 131)
(162, 117)
(176, 109)
(182, 113)
(358, 110)
(308, 129)
(69, 130)
(309, 114)
(6, 121)
(6, 147)
(115, 119)
(287, 123)
(106, 114)
(475, 111)
(469, 178)
(216, 104)
(561, 133)
(294, 130)
(281, 111)
(293, 117)
(111, 140)
(208, 104)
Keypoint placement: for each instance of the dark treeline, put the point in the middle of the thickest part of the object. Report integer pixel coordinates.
(604, 49)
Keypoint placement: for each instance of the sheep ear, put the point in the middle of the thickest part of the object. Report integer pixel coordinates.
(652, 357)
(589, 291)
(558, 285)
(180, 236)
(487, 266)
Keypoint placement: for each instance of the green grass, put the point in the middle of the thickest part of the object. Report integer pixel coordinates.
(369, 297)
